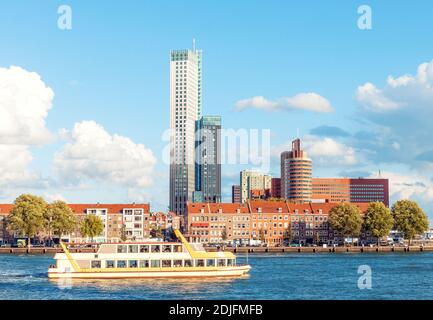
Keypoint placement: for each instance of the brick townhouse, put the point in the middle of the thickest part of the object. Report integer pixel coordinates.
(263, 220)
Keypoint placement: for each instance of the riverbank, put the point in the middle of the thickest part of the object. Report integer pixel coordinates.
(252, 250)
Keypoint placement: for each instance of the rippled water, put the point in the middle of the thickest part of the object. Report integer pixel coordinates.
(277, 276)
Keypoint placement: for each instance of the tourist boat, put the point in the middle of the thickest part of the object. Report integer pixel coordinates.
(146, 260)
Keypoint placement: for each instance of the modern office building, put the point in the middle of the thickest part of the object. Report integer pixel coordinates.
(253, 180)
(236, 194)
(296, 174)
(208, 159)
(185, 110)
(350, 190)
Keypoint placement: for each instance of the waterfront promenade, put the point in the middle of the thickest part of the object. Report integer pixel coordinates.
(252, 250)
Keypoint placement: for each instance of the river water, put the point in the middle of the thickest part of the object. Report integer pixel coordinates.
(273, 276)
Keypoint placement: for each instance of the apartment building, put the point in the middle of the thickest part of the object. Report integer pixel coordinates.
(267, 221)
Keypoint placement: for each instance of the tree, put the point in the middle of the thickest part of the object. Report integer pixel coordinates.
(59, 219)
(409, 218)
(26, 217)
(378, 220)
(123, 236)
(346, 219)
(91, 226)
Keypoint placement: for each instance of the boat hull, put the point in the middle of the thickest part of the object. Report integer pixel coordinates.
(235, 271)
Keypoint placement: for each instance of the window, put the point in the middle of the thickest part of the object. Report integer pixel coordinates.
(155, 248)
(177, 263)
(230, 262)
(144, 249)
(187, 263)
(199, 263)
(133, 249)
(210, 262)
(166, 263)
(166, 248)
(177, 248)
(121, 249)
(144, 263)
(121, 263)
(221, 262)
(109, 264)
(96, 264)
(133, 263)
(155, 263)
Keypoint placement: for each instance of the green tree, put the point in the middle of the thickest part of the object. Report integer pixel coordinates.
(346, 219)
(62, 218)
(26, 217)
(123, 236)
(409, 218)
(91, 226)
(378, 220)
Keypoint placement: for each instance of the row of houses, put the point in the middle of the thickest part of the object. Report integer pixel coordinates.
(131, 221)
(265, 221)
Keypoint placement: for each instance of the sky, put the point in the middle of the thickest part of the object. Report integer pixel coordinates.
(83, 111)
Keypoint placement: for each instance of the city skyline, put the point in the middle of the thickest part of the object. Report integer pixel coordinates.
(352, 103)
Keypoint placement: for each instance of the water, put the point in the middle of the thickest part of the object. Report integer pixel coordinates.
(276, 276)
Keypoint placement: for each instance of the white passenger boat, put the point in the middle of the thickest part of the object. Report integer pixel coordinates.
(146, 260)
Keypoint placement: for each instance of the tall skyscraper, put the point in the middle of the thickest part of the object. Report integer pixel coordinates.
(253, 180)
(185, 110)
(208, 159)
(296, 174)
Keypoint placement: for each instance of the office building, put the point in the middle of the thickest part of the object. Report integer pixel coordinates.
(208, 159)
(236, 194)
(253, 180)
(296, 174)
(185, 110)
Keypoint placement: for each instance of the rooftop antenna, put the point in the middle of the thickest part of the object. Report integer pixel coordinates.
(297, 133)
(380, 174)
(193, 44)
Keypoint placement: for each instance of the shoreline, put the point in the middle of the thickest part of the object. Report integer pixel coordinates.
(250, 250)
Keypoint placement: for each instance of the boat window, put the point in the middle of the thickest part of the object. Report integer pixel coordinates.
(221, 262)
(133, 249)
(96, 264)
(187, 263)
(121, 263)
(144, 249)
(177, 263)
(166, 263)
(230, 262)
(177, 248)
(121, 249)
(133, 263)
(210, 262)
(199, 263)
(156, 248)
(144, 263)
(166, 248)
(155, 263)
(109, 264)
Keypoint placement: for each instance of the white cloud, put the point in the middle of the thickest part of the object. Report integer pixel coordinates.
(303, 101)
(24, 104)
(399, 92)
(408, 186)
(327, 151)
(94, 154)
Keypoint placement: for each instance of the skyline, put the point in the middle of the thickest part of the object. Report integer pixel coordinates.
(349, 92)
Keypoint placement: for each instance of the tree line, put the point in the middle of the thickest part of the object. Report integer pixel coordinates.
(404, 216)
(31, 215)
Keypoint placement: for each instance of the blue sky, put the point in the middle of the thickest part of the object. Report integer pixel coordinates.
(112, 70)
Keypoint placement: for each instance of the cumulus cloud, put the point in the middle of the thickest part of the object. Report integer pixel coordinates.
(328, 151)
(303, 101)
(24, 104)
(95, 154)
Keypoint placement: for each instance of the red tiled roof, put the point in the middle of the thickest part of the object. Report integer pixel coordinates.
(81, 208)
